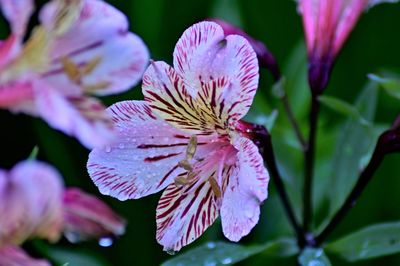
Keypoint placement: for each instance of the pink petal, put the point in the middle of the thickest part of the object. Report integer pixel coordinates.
(17, 12)
(81, 117)
(15, 256)
(184, 214)
(88, 217)
(31, 196)
(17, 96)
(42, 187)
(144, 157)
(246, 190)
(101, 31)
(203, 53)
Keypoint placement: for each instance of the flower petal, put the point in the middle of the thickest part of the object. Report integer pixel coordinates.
(110, 58)
(16, 256)
(246, 190)
(17, 12)
(183, 214)
(82, 117)
(88, 217)
(144, 157)
(31, 196)
(203, 54)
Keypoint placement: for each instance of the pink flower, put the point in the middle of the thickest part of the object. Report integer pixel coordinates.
(15, 256)
(31, 203)
(265, 58)
(36, 205)
(87, 217)
(183, 137)
(327, 25)
(81, 48)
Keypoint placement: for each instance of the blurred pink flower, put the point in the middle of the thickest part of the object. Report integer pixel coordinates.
(183, 137)
(36, 205)
(15, 256)
(31, 203)
(327, 25)
(86, 217)
(81, 48)
(265, 58)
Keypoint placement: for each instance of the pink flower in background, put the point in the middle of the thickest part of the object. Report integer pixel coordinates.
(38, 206)
(81, 48)
(16, 256)
(183, 137)
(31, 198)
(265, 58)
(86, 217)
(327, 25)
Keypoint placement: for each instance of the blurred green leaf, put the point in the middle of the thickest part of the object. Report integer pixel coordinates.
(370, 242)
(69, 257)
(313, 257)
(343, 108)
(227, 10)
(223, 253)
(390, 85)
(34, 153)
(353, 143)
(278, 89)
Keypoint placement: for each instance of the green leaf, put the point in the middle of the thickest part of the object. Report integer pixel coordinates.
(313, 257)
(278, 89)
(370, 242)
(228, 10)
(354, 142)
(223, 253)
(34, 153)
(343, 108)
(71, 257)
(390, 85)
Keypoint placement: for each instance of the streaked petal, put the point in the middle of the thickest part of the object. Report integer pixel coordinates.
(246, 190)
(203, 53)
(87, 217)
(16, 256)
(81, 117)
(17, 96)
(183, 214)
(143, 159)
(110, 58)
(17, 12)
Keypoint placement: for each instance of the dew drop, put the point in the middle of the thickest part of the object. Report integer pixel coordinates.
(248, 213)
(170, 251)
(108, 149)
(121, 146)
(226, 261)
(211, 245)
(105, 242)
(210, 263)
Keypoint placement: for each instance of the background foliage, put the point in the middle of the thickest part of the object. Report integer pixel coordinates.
(373, 45)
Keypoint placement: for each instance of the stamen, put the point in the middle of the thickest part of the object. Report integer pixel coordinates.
(185, 165)
(215, 187)
(191, 148)
(91, 65)
(71, 69)
(96, 86)
(181, 181)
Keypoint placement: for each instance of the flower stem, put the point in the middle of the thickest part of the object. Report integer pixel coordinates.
(352, 198)
(270, 160)
(388, 142)
(309, 155)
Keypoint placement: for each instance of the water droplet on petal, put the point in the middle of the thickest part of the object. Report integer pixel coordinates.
(211, 245)
(108, 148)
(73, 237)
(226, 261)
(170, 251)
(105, 242)
(248, 213)
(121, 146)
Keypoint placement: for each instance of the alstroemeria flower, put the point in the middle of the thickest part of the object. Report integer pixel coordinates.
(86, 217)
(327, 25)
(81, 48)
(265, 57)
(184, 137)
(15, 256)
(30, 203)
